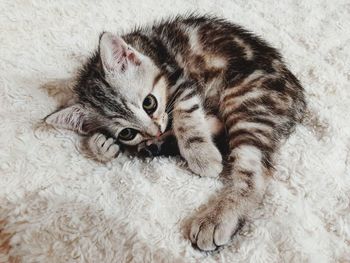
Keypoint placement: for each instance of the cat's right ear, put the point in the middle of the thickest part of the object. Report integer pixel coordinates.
(71, 118)
(116, 55)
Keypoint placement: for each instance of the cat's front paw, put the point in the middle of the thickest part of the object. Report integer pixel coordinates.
(204, 160)
(214, 227)
(101, 148)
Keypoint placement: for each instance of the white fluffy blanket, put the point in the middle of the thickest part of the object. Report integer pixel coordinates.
(57, 206)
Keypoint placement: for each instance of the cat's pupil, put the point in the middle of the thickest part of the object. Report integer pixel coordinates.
(150, 104)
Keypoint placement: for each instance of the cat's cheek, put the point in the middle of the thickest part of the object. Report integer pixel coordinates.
(160, 92)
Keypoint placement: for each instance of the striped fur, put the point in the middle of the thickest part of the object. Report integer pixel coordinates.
(201, 67)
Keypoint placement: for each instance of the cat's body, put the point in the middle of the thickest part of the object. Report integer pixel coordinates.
(196, 77)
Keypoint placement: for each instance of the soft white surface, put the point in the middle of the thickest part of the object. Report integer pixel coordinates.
(61, 207)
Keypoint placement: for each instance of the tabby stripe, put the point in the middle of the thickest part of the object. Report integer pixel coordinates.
(249, 126)
(191, 94)
(255, 92)
(262, 102)
(191, 140)
(184, 115)
(237, 92)
(250, 141)
(267, 160)
(235, 118)
(244, 192)
(178, 90)
(190, 110)
(156, 79)
(166, 60)
(253, 110)
(246, 173)
(261, 135)
(182, 129)
(247, 176)
(253, 96)
(175, 97)
(245, 84)
(243, 137)
(262, 120)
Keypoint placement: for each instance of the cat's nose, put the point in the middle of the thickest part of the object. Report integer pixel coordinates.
(154, 131)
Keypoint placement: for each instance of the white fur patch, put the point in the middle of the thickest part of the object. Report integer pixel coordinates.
(247, 158)
(249, 53)
(215, 62)
(194, 43)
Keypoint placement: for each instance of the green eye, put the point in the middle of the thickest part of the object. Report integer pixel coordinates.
(127, 134)
(150, 104)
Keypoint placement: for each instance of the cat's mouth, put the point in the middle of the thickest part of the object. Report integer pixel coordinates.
(155, 147)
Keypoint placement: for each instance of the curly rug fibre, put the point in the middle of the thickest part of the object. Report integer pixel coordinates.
(58, 206)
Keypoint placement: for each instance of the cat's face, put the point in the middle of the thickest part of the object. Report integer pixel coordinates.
(128, 98)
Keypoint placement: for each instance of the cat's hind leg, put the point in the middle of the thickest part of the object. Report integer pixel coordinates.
(256, 116)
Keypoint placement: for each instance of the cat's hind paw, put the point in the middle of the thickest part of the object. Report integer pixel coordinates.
(214, 227)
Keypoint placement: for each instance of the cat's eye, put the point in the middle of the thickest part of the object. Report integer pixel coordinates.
(127, 134)
(150, 104)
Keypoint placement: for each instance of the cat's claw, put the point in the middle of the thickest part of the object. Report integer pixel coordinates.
(103, 149)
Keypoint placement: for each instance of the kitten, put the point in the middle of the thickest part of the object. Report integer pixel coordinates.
(182, 76)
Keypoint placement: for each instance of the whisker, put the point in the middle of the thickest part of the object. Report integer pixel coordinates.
(169, 108)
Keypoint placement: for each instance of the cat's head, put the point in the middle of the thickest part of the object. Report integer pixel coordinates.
(121, 91)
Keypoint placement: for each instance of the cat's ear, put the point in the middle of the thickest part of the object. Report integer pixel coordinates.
(71, 118)
(116, 55)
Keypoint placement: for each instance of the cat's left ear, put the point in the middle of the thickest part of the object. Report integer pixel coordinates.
(116, 55)
(72, 118)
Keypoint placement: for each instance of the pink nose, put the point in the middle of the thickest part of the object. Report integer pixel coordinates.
(158, 134)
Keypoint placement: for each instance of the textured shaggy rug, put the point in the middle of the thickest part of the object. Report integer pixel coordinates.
(57, 206)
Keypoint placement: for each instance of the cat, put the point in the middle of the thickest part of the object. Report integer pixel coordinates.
(196, 77)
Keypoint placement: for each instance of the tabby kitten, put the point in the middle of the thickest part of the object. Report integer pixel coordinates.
(194, 77)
